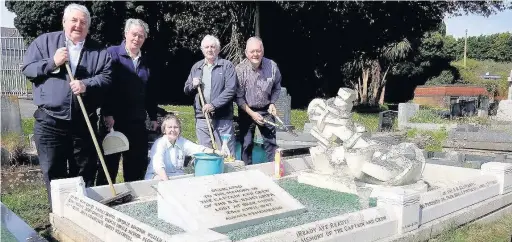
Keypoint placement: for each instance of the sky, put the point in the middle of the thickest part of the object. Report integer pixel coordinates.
(456, 26)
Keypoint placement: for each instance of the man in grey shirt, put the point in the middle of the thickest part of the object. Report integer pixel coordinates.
(217, 77)
(259, 85)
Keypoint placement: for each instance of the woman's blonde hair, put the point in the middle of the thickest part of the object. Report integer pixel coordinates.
(167, 119)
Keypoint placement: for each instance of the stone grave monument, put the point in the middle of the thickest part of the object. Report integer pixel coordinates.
(386, 120)
(505, 107)
(284, 107)
(224, 203)
(11, 117)
(346, 161)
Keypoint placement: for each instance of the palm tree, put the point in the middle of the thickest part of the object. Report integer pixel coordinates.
(392, 54)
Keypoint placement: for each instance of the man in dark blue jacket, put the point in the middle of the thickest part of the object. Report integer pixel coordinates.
(130, 97)
(217, 77)
(60, 131)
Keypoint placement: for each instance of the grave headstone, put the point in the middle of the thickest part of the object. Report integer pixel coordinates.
(15, 229)
(224, 202)
(11, 117)
(284, 106)
(386, 120)
(502, 172)
(405, 112)
(108, 224)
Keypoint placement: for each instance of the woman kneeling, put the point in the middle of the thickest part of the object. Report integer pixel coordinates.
(169, 151)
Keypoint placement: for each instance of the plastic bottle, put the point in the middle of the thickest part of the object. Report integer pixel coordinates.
(225, 148)
(278, 164)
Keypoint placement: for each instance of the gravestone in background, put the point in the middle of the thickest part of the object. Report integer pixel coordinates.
(11, 117)
(405, 112)
(505, 107)
(386, 120)
(284, 107)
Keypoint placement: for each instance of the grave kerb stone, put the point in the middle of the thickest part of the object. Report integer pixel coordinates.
(443, 201)
(406, 206)
(370, 224)
(111, 225)
(18, 228)
(60, 189)
(502, 172)
(224, 202)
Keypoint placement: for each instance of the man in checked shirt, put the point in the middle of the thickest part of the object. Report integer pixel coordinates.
(259, 85)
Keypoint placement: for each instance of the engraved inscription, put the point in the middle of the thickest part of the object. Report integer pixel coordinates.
(129, 231)
(457, 191)
(239, 202)
(326, 230)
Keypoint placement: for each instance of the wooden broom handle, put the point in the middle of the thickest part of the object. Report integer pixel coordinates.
(86, 117)
(201, 98)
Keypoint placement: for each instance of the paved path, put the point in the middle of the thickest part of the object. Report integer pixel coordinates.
(27, 108)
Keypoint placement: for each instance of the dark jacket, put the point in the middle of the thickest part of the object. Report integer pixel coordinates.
(131, 94)
(51, 86)
(223, 89)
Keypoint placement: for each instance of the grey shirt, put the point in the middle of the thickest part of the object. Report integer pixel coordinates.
(258, 87)
(206, 79)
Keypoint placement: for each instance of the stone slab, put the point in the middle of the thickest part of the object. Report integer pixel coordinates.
(443, 201)
(224, 202)
(502, 172)
(348, 227)
(405, 112)
(504, 110)
(406, 206)
(18, 228)
(108, 224)
(493, 136)
(60, 190)
(11, 117)
(479, 145)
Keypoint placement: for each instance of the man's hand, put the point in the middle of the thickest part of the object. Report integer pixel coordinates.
(257, 118)
(109, 122)
(208, 108)
(154, 125)
(61, 56)
(272, 109)
(196, 82)
(77, 87)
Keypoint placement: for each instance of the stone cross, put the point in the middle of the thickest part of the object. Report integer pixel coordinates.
(509, 79)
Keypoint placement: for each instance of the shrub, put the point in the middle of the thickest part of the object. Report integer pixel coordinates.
(15, 145)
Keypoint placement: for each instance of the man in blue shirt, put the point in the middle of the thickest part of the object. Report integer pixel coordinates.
(129, 99)
(60, 131)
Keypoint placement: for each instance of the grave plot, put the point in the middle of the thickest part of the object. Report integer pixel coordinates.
(314, 214)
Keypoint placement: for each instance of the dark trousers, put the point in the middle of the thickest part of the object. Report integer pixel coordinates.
(65, 148)
(135, 160)
(247, 127)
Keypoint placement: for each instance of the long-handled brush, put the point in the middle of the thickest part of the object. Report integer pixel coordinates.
(117, 198)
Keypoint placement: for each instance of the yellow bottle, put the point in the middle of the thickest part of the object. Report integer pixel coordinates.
(278, 164)
(225, 149)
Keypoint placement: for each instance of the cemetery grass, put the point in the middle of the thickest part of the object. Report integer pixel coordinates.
(497, 231)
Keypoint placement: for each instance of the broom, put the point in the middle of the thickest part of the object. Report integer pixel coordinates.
(117, 198)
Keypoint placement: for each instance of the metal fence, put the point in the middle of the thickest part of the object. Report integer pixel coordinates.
(13, 82)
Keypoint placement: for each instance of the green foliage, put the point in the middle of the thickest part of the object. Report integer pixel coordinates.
(27, 125)
(369, 120)
(471, 74)
(445, 78)
(433, 140)
(15, 144)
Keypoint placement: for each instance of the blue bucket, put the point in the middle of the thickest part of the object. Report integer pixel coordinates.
(208, 164)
